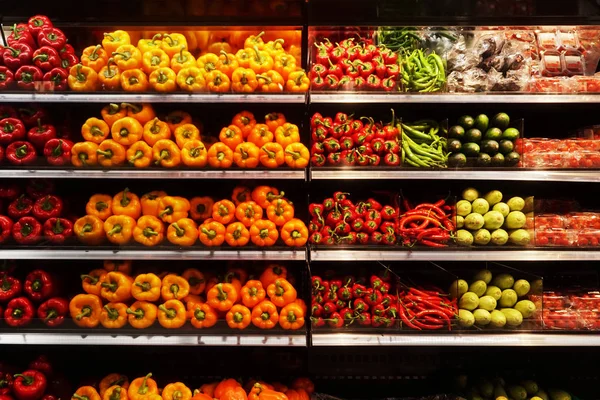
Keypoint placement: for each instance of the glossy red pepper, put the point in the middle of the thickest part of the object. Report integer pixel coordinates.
(317, 148)
(337, 54)
(47, 207)
(318, 83)
(332, 82)
(329, 307)
(37, 23)
(30, 385)
(19, 312)
(11, 130)
(52, 37)
(318, 160)
(316, 309)
(46, 58)
(315, 238)
(392, 159)
(20, 34)
(55, 79)
(388, 84)
(349, 239)
(6, 225)
(39, 285)
(17, 55)
(57, 230)
(27, 76)
(7, 112)
(7, 78)
(58, 151)
(20, 153)
(52, 313)
(318, 70)
(27, 230)
(20, 207)
(41, 134)
(335, 320)
(10, 287)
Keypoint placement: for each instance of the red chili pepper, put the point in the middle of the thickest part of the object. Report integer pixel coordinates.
(11, 130)
(30, 385)
(433, 244)
(432, 207)
(376, 237)
(19, 312)
(27, 230)
(52, 37)
(37, 188)
(39, 285)
(10, 288)
(20, 207)
(436, 313)
(7, 78)
(20, 153)
(404, 318)
(27, 75)
(58, 151)
(316, 238)
(335, 320)
(329, 307)
(52, 312)
(55, 79)
(47, 207)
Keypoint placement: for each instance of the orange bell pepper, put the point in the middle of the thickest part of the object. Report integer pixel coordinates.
(83, 154)
(113, 315)
(113, 40)
(260, 135)
(173, 208)
(181, 60)
(253, 293)
(243, 80)
(86, 393)
(115, 392)
(246, 155)
(222, 296)
(174, 119)
(111, 380)
(92, 282)
(150, 202)
(294, 233)
(297, 82)
(238, 317)
(264, 195)
(82, 79)
(218, 46)
(112, 113)
(163, 80)
(224, 386)
(284, 64)
(280, 212)
(271, 155)
(116, 287)
(85, 310)
(191, 80)
(95, 130)
(297, 155)
(140, 112)
(149, 231)
(227, 63)
(270, 82)
(143, 387)
(139, 155)
(195, 279)
(202, 316)
(265, 315)
(281, 292)
(94, 57)
(183, 232)
(194, 154)
(166, 153)
(146, 287)
(119, 229)
(89, 230)
(126, 203)
(274, 120)
(127, 57)
(274, 47)
(272, 273)
(201, 208)
(287, 134)
(231, 136)
(291, 317)
(185, 133)
(123, 266)
(212, 233)
(245, 121)
(240, 194)
(218, 82)
(223, 211)
(248, 213)
(99, 205)
(177, 390)
(172, 315)
(174, 287)
(127, 131)
(153, 60)
(237, 393)
(141, 315)
(263, 233)
(220, 156)
(237, 235)
(109, 77)
(110, 153)
(134, 80)
(155, 130)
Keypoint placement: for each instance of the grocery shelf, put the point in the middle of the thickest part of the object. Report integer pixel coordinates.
(475, 254)
(147, 254)
(456, 174)
(47, 338)
(448, 340)
(131, 173)
(489, 98)
(104, 97)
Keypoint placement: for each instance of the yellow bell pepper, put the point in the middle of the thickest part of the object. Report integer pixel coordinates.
(153, 60)
(148, 231)
(166, 153)
(127, 57)
(113, 40)
(163, 80)
(191, 80)
(172, 43)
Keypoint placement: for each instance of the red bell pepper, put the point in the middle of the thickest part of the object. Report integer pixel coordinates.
(7, 78)
(6, 383)
(46, 58)
(20, 207)
(6, 225)
(37, 23)
(27, 76)
(57, 230)
(41, 134)
(27, 231)
(373, 82)
(47, 207)
(10, 288)
(68, 60)
(30, 385)
(20, 34)
(318, 70)
(67, 49)
(42, 364)
(16, 56)
(52, 312)
(37, 188)
(317, 160)
(55, 79)
(11, 130)
(20, 153)
(52, 37)
(19, 312)
(58, 151)
(39, 285)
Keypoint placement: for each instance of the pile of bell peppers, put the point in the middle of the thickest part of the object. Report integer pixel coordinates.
(132, 135)
(166, 62)
(114, 298)
(37, 57)
(118, 387)
(27, 134)
(354, 65)
(35, 382)
(34, 214)
(261, 215)
(33, 297)
(346, 141)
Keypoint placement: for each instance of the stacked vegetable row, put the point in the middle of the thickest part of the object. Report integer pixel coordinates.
(130, 134)
(34, 383)
(114, 298)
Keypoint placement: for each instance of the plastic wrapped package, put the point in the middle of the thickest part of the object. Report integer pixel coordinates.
(590, 319)
(588, 84)
(562, 319)
(582, 220)
(543, 159)
(552, 85)
(555, 237)
(546, 221)
(470, 81)
(588, 237)
(585, 301)
(555, 301)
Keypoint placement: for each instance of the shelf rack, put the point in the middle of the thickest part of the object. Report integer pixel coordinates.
(104, 97)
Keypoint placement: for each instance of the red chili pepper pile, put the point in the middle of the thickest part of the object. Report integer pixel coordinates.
(31, 384)
(26, 133)
(427, 224)
(36, 52)
(22, 297)
(347, 141)
(33, 215)
(356, 65)
(340, 221)
(423, 309)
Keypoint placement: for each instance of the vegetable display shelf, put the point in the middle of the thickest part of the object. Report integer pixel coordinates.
(455, 98)
(513, 174)
(98, 97)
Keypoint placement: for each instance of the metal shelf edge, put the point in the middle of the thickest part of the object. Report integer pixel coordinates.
(449, 340)
(150, 340)
(337, 97)
(152, 98)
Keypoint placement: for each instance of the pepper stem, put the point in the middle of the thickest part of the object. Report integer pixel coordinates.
(169, 311)
(144, 386)
(174, 289)
(85, 311)
(148, 232)
(180, 232)
(139, 313)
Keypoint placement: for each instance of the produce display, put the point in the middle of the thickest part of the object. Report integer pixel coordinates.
(580, 229)
(499, 389)
(33, 383)
(428, 224)
(495, 301)
(560, 153)
(343, 140)
(378, 301)
(488, 220)
(572, 309)
(484, 142)
(115, 298)
(132, 135)
(36, 57)
(167, 62)
(424, 144)
(354, 64)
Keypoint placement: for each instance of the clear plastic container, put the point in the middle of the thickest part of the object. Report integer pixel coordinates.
(548, 41)
(562, 319)
(552, 85)
(555, 237)
(555, 301)
(582, 220)
(543, 159)
(585, 301)
(573, 62)
(568, 40)
(590, 319)
(552, 63)
(589, 237)
(588, 84)
(546, 221)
